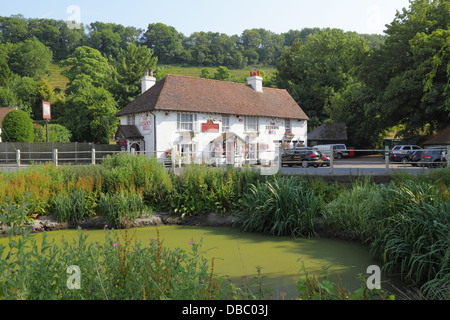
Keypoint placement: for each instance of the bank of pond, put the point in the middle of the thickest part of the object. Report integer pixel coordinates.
(330, 234)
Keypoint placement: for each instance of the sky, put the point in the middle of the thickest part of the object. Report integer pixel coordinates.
(231, 17)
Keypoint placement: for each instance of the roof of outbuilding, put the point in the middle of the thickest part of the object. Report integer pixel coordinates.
(329, 131)
(189, 94)
(4, 111)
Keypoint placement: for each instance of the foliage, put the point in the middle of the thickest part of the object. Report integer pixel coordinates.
(408, 76)
(324, 65)
(17, 126)
(128, 69)
(120, 208)
(30, 58)
(284, 206)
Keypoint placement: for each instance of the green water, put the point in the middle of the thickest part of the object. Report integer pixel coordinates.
(237, 254)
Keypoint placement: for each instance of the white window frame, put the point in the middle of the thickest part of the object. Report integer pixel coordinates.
(251, 124)
(186, 121)
(131, 119)
(288, 125)
(225, 123)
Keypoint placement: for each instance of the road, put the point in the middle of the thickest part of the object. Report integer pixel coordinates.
(354, 166)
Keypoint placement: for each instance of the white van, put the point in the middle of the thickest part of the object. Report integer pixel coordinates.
(340, 150)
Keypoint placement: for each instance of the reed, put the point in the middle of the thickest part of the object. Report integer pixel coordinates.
(282, 206)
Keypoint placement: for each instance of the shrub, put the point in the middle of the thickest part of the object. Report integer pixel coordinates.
(73, 206)
(17, 126)
(283, 206)
(120, 208)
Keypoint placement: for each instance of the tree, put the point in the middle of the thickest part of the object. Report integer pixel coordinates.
(408, 74)
(90, 113)
(222, 74)
(56, 133)
(315, 71)
(17, 126)
(86, 65)
(127, 71)
(13, 29)
(165, 42)
(30, 58)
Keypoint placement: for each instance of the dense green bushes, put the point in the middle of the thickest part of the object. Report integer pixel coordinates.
(285, 206)
(406, 223)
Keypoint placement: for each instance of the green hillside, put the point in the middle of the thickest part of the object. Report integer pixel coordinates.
(57, 80)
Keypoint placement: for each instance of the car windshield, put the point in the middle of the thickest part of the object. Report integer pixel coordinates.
(396, 148)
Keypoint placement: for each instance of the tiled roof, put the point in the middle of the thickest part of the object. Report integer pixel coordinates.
(441, 138)
(329, 131)
(189, 94)
(129, 132)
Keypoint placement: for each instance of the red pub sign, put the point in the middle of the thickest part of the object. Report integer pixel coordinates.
(210, 126)
(46, 113)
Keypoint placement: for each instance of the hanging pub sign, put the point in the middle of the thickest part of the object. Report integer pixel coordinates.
(210, 126)
(46, 112)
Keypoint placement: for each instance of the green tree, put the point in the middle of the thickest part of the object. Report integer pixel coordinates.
(408, 74)
(165, 42)
(56, 133)
(127, 71)
(90, 113)
(13, 29)
(222, 74)
(30, 58)
(17, 126)
(315, 71)
(86, 65)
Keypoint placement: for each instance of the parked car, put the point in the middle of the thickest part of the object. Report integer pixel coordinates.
(301, 156)
(326, 161)
(415, 158)
(340, 150)
(400, 153)
(434, 157)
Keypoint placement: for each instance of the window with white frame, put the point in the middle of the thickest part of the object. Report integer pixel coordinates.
(225, 124)
(253, 151)
(287, 124)
(251, 124)
(186, 121)
(131, 120)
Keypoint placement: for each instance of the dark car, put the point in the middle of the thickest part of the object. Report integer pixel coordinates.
(400, 153)
(415, 158)
(435, 157)
(303, 156)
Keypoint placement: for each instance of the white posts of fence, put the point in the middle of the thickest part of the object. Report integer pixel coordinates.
(386, 158)
(93, 156)
(18, 158)
(55, 157)
(447, 156)
(331, 160)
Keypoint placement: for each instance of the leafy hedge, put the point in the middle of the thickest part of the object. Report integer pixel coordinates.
(406, 223)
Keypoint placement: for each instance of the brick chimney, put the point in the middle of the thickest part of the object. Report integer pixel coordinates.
(148, 80)
(255, 81)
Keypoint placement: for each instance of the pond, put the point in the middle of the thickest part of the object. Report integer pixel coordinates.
(237, 254)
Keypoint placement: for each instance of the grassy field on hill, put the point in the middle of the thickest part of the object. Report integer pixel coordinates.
(57, 80)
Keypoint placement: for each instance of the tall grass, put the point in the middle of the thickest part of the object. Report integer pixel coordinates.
(282, 206)
(406, 223)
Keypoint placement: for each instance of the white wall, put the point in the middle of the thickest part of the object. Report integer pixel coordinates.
(168, 136)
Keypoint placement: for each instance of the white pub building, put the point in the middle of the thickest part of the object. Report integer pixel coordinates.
(200, 120)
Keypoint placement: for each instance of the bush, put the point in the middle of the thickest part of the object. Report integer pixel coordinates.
(17, 126)
(73, 206)
(282, 206)
(120, 208)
